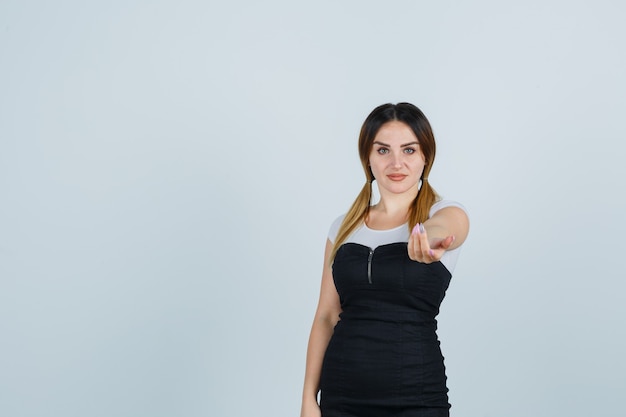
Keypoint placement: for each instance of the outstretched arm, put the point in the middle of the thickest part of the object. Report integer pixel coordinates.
(447, 229)
(326, 317)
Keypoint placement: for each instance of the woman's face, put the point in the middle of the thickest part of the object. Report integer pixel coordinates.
(396, 159)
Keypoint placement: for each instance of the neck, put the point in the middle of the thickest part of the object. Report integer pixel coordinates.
(396, 204)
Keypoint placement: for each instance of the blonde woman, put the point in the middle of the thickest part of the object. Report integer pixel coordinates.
(373, 348)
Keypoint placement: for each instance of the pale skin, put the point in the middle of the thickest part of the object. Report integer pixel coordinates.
(397, 164)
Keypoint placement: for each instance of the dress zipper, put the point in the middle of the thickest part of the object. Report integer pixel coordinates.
(369, 266)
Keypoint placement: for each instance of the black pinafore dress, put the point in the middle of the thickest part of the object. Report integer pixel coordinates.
(384, 359)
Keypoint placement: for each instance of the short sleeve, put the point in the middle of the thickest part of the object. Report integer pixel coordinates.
(441, 204)
(450, 257)
(334, 228)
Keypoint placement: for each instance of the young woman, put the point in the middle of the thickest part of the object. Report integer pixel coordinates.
(373, 348)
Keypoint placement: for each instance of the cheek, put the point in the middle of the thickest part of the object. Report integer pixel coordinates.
(420, 162)
(374, 169)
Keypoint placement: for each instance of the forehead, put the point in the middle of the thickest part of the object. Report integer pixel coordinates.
(395, 132)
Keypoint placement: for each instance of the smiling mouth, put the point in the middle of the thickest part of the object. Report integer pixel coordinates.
(396, 177)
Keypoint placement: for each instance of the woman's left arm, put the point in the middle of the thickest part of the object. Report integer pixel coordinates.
(447, 229)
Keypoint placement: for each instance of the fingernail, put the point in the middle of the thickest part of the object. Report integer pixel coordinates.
(416, 229)
(431, 253)
(421, 228)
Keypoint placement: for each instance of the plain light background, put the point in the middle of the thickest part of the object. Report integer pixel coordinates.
(169, 170)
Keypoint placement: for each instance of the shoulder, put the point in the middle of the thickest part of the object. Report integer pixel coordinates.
(334, 228)
(441, 204)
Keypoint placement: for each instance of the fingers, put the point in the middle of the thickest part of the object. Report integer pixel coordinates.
(420, 250)
(418, 247)
(447, 242)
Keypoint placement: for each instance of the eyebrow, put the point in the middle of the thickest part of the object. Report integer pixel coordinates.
(402, 146)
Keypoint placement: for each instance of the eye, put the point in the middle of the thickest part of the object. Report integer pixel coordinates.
(382, 151)
(409, 150)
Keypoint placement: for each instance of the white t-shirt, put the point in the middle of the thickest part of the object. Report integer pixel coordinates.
(373, 238)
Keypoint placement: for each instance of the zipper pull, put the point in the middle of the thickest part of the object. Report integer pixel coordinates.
(369, 266)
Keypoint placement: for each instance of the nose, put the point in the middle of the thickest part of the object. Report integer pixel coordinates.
(397, 160)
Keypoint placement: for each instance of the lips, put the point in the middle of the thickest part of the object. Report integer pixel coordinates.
(396, 177)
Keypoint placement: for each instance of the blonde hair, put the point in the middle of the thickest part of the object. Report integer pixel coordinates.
(426, 196)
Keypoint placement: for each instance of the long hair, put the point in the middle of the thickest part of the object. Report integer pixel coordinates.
(413, 117)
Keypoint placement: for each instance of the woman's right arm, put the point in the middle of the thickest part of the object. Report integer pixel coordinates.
(326, 316)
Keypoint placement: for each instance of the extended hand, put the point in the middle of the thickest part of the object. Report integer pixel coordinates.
(422, 250)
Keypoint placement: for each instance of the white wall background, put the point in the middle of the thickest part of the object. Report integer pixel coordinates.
(168, 172)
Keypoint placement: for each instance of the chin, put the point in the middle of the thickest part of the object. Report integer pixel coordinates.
(398, 188)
